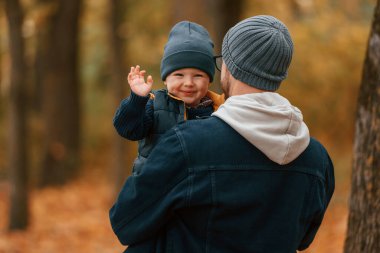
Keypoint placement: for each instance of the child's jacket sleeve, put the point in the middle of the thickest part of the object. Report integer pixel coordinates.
(134, 117)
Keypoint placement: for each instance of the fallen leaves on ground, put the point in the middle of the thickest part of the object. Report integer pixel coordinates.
(74, 218)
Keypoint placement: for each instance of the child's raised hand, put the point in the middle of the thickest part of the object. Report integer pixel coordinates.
(137, 82)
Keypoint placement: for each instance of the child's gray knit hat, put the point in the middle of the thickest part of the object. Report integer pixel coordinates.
(258, 51)
(189, 46)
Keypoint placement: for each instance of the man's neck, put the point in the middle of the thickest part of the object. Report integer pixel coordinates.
(240, 88)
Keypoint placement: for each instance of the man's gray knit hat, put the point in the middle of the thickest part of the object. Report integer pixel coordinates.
(189, 46)
(258, 52)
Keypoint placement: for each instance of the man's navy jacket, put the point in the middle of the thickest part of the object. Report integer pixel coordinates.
(207, 189)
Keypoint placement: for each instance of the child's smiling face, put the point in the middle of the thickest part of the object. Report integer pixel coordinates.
(188, 84)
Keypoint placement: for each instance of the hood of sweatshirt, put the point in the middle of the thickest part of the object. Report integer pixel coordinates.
(269, 122)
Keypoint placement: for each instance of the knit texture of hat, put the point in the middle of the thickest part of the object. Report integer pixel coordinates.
(258, 52)
(189, 46)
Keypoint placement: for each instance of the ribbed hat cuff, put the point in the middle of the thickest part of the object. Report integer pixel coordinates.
(188, 59)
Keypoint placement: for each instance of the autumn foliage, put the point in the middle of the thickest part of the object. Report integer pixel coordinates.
(330, 38)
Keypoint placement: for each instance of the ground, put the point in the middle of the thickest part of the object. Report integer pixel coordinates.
(74, 218)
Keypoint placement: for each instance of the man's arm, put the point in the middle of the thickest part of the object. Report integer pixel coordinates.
(328, 191)
(147, 200)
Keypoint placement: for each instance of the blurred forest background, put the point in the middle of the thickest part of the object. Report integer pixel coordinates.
(71, 177)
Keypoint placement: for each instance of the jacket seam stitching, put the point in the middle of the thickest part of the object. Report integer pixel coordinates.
(212, 212)
(326, 182)
(235, 168)
(311, 200)
(189, 170)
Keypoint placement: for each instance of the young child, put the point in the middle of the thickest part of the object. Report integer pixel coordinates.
(187, 69)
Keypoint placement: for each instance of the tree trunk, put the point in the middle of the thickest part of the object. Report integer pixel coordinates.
(363, 233)
(46, 8)
(224, 14)
(119, 84)
(61, 94)
(17, 117)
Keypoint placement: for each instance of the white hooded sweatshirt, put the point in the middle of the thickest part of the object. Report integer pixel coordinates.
(269, 122)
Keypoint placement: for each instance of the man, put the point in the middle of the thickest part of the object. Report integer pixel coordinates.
(247, 179)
